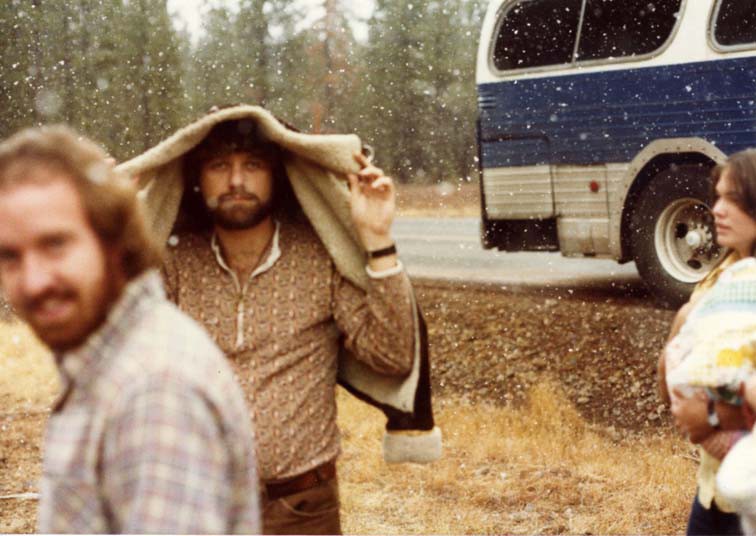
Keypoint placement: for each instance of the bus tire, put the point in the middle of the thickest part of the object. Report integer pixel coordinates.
(672, 233)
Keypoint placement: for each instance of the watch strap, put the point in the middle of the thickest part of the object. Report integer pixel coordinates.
(712, 418)
(383, 252)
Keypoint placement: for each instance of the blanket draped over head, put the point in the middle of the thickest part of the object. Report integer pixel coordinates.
(316, 166)
(716, 346)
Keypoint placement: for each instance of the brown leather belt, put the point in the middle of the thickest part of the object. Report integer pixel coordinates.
(310, 479)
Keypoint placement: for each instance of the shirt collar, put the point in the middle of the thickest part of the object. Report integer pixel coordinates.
(274, 253)
(77, 365)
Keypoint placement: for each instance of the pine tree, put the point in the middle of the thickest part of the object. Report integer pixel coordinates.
(153, 87)
(330, 68)
(19, 69)
(395, 90)
(252, 32)
(288, 67)
(218, 56)
(421, 87)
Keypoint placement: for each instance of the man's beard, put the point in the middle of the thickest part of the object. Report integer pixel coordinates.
(92, 309)
(235, 211)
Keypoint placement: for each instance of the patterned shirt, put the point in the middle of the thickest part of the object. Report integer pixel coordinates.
(282, 329)
(150, 433)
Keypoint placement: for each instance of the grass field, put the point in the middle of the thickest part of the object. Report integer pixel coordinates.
(539, 469)
(536, 469)
(27, 372)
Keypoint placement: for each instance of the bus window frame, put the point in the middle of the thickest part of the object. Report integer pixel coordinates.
(712, 38)
(575, 64)
(504, 10)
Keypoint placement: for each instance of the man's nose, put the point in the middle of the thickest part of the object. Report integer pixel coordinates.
(237, 177)
(36, 277)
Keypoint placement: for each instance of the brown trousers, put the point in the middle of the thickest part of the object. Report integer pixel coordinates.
(313, 511)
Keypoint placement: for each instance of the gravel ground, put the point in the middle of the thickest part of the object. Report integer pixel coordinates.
(20, 456)
(493, 345)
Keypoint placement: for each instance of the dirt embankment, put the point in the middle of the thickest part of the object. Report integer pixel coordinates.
(493, 346)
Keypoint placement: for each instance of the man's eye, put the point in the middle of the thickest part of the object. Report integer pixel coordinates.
(218, 164)
(8, 257)
(55, 244)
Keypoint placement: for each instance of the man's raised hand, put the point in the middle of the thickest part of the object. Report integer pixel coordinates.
(373, 204)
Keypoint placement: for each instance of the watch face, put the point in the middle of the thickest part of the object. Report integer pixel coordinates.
(712, 417)
(713, 420)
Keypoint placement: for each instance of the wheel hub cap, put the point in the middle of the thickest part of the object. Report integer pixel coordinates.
(684, 240)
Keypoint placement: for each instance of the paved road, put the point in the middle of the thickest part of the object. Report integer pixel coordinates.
(449, 248)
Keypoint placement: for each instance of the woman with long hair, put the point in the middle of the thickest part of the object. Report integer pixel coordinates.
(710, 420)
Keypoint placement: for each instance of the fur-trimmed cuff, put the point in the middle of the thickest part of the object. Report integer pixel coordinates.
(413, 446)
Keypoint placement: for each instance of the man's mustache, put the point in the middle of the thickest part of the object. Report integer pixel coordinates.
(238, 195)
(36, 302)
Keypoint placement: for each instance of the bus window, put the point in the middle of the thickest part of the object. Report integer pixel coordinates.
(735, 23)
(619, 28)
(533, 33)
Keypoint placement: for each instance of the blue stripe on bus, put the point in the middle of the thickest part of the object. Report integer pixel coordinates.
(610, 116)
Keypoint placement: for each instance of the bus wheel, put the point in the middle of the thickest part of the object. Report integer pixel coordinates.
(672, 233)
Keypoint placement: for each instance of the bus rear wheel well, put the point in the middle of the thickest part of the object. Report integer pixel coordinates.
(655, 166)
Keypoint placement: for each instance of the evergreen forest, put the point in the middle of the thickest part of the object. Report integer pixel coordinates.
(127, 73)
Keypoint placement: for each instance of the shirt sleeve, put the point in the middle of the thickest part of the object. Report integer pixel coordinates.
(378, 325)
(166, 467)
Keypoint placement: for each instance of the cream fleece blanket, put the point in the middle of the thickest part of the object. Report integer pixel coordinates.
(317, 166)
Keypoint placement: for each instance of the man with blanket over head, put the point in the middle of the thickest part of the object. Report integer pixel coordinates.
(279, 243)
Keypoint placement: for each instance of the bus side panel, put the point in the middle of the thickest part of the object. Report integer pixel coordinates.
(610, 116)
(607, 118)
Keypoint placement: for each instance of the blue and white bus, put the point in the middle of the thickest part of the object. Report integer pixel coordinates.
(599, 121)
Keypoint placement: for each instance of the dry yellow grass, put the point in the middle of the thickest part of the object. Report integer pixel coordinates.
(537, 469)
(449, 200)
(27, 373)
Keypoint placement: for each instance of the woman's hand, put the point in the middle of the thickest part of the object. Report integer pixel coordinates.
(690, 415)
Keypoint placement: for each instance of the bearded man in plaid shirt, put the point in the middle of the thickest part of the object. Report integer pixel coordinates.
(150, 433)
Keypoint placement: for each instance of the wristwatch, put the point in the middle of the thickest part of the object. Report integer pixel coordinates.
(711, 417)
(385, 252)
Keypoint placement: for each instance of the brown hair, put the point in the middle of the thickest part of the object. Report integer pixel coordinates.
(109, 199)
(741, 168)
(240, 135)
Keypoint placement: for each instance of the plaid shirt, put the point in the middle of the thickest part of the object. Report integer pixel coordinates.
(151, 433)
